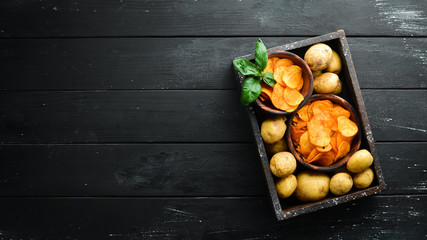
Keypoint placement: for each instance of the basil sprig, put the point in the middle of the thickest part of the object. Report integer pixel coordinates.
(252, 86)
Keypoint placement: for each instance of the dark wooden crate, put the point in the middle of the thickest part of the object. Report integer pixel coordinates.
(287, 208)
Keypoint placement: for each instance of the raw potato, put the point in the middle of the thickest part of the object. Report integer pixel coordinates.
(283, 164)
(360, 161)
(318, 56)
(286, 186)
(326, 83)
(335, 65)
(338, 90)
(341, 183)
(312, 186)
(273, 129)
(364, 179)
(279, 146)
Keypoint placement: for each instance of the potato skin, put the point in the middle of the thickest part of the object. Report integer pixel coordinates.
(273, 129)
(279, 146)
(363, 179)
(312, 186)
(286, 186)
(283, 164)
(338, 90)
(360, 161)
(318, 56)
(335, 65)
(341, 183)
(326, 83)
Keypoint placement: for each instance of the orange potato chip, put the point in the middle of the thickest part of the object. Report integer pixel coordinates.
(300, 84)
(347, 127)
(296, 134)
(303, 114)
(313, 156)
(269, 67)
(343, 150)
(325, 158)
(266, 89)
(338, 111)
(321, 106)
(291, 76)
(319, 129)
(277, 97)
(326, 148)
(283, 62)
(292, 97)
(277, 75)
(275, 59)
(305, 145)
(300, 124)
(291, 108)
(334, 142)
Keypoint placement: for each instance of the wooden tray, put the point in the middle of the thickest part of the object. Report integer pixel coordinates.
(287, 208)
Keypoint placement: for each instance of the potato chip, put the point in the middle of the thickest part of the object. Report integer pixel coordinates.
(321, 106)
(347, 127)
(277, 75)
(300, 124)
(266, 89)
(303, 114)
(334, 142)
(283, 62)
(291, 76)
(275, 59)
(338, 111)
(343, 149)
(296, 134)
(277, 97)
(305, 145)
(300, 83)
(292, 97)
(319, 129)
(269, 67)
(324, 158)
(313, 156)
(326, 148)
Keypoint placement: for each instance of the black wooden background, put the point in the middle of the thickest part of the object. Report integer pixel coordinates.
(121, 119)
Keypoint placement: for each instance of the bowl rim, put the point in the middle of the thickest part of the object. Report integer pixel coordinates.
(275, 111)
(357, 140)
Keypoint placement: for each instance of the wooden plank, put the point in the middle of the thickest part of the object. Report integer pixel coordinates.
(174, 116)
(170, 169)
(402, 217)
(183, 63)
(27, 18)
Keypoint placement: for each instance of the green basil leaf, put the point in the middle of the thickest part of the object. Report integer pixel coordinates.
(250, 91)
(245, 67)
(269, 79)
(261, 56)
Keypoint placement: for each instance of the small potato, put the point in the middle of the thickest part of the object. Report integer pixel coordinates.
(360, 161)
(283, 164)
(279, 146)
(335, 65)
(312, 186)
(318, 56)
(341, 183)
(326, 83)
(363, 179)
(273, 129)
(286, 186)
(338, 90)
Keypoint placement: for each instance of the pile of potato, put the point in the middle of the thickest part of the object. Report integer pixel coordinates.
(325, 65)
(308, 185)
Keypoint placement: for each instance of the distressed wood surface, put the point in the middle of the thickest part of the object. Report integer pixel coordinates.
(208, 18)
(170, 169)
(377, 217)
(174, 116)
(184, 63)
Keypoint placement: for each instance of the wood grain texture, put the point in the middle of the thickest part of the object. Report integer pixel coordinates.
(174, 116)
(183, 63)
(207, 218)
(27, 18)
(170, 169)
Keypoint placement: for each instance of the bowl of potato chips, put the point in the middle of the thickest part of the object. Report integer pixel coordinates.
(294, 84)
(324, 133)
